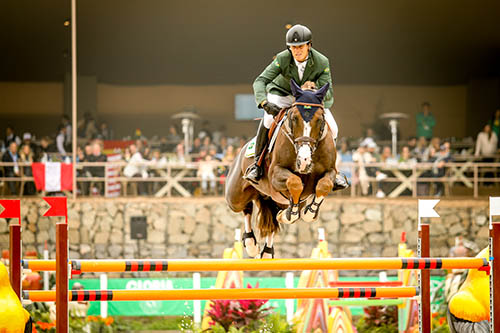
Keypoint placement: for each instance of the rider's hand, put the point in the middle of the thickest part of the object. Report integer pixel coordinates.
(271, 108)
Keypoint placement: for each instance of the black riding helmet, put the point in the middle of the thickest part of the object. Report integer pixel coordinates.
(298, 35)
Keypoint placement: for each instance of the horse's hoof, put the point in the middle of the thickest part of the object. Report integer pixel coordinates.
(252, 248)
(309, 216)
(282, 218)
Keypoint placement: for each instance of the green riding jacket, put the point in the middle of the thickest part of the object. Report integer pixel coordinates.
(276, 77)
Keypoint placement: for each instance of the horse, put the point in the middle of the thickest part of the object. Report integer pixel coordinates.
(298, 173)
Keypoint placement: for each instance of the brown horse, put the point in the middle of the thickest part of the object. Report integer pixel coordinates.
(299, 173)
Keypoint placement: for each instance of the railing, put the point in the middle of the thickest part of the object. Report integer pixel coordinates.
(181, 179)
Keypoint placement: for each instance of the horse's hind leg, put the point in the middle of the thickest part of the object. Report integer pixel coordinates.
(324, 186)
(249, 240)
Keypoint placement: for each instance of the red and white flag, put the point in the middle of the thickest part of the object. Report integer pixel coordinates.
(53, 176)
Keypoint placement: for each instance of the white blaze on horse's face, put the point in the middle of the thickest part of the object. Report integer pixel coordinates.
(304, 153)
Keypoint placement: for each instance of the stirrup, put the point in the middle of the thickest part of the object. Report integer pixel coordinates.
(268, 250)
(247, 235)
(340, 186)
(250, 169)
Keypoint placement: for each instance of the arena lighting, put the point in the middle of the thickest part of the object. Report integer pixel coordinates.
(288, 26)
(67, 23)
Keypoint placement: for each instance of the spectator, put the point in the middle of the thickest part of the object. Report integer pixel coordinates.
(495, 123)
(412, 143)
(105, 132)
(405, 159)
(196, 146)
(370, 134)
(432, 150)
(136, 168)
(206, 173)
(486, 144)
(438, 169)
(42, 154)
(27, 140)
(97, 156)
(425, 121)
(179, 153)
(11, 156)
(61, 141)
(26, 156)
(365, 155)
(486, 147)
(344, 156)
(230, 155)
(207, 142)
(386, 156)
(69, 134)
(173, 136)
(419, 150)
(11, 136)
(223, 145)
(91, 130)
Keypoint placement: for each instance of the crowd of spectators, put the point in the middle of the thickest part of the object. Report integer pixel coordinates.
(213, 150)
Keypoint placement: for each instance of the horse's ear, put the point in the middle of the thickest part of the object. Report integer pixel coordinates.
(296, 91)
(321, 93)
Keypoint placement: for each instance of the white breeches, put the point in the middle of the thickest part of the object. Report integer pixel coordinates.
(286, 101)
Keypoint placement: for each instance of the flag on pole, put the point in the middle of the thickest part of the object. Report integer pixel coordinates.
(494, 206)
(53, 176)
(426, 208)
(12, 209)
(58, 206)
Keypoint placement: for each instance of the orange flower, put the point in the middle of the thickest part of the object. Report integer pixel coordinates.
(108, 321)
(435, 314)
(33, 328)
(442, 320)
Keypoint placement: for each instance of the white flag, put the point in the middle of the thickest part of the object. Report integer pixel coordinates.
(426, 208)
(494, 206)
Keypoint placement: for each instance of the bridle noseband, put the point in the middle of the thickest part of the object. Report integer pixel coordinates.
(300, 141)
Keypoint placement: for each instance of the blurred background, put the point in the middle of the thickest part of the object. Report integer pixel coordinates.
(141, 62)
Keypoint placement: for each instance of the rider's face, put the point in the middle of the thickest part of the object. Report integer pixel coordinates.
(300, 52)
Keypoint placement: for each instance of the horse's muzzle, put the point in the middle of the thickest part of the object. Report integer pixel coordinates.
(304, 159)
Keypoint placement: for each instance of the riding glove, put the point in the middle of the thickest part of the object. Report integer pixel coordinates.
(271, 108)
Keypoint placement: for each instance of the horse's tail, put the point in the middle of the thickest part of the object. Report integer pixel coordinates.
(266, 220)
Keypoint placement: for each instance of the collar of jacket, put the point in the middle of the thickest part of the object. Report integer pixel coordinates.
(307, 70)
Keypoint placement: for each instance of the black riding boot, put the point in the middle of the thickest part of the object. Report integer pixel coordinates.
(254, 172)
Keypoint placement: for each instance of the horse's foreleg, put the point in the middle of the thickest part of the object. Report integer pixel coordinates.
(249, 239)
(284, 180)
(268, 250)
(324, 186)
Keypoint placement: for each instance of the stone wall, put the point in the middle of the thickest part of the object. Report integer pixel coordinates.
(202, 228)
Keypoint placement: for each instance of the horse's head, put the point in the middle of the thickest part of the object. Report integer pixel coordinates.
(306, 124)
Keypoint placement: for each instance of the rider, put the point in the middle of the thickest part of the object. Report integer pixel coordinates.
(272, 88)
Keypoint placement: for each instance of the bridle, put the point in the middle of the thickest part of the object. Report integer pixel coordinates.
(302, 140)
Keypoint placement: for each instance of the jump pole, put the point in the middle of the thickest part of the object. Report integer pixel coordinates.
(494, 255)
(226, 294)
(215, 265)
(425, 209)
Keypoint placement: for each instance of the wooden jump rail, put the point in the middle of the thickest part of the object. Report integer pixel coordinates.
(215, 265)
(226, 294)
(423, 263)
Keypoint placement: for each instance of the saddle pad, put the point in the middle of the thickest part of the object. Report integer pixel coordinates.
(250, 151)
